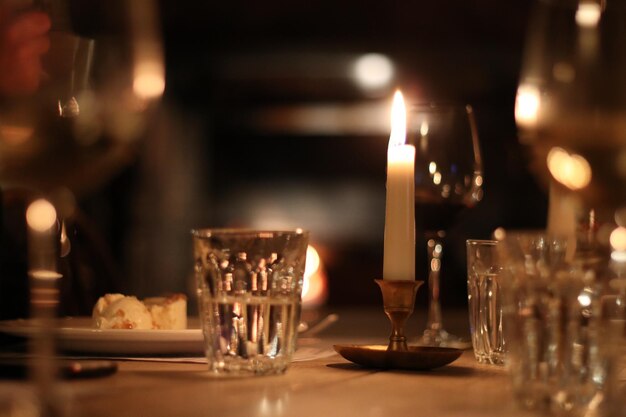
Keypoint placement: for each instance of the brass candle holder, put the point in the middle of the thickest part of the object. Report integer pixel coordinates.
(398, 303)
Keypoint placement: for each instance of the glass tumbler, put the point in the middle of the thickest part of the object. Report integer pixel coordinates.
(249, 285)
(552, 323)
(485, 301)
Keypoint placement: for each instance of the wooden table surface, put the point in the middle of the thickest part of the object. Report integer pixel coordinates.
(322, 387)
(325, 385)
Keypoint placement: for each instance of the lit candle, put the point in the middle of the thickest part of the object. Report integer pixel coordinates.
(399, 256)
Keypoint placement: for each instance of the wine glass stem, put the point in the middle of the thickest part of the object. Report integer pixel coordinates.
(435, 249)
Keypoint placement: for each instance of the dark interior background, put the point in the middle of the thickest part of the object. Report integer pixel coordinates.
(227, 61)
(221, 151)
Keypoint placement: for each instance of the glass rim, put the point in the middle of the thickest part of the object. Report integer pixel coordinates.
(204, 233)
(474, 242)
(543, 233)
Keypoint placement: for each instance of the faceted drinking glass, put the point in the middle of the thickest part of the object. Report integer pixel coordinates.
(552, 326)
(249, 285)
(485, 301)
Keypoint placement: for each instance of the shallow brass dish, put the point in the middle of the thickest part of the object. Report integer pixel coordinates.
(416, 358)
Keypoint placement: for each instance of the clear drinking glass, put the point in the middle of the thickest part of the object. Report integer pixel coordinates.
(448, 179)
(249, 286)
(552, 327)
(485, 301)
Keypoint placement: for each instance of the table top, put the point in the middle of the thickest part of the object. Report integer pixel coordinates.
(321, 384)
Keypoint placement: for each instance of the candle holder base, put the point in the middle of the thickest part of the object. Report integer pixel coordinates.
(398, 302)
(415, 358)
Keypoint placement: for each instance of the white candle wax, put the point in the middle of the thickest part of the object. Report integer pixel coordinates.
(399, 254)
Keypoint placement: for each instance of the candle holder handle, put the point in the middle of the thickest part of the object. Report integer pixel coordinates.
(398, 303)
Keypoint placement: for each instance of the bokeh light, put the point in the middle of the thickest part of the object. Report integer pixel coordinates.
(527, 103)
(571, 170)
(41, 215)
(373, 71)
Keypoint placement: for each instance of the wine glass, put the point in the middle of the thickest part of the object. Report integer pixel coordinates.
(571, 100)
(75, 104)
(448, 179)
(571, 112)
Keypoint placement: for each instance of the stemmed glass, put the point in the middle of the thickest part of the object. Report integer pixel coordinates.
(571, 111)
(448, 179)
(571, 99)
(71, 116)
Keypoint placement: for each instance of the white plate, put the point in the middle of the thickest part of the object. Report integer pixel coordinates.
(76, 334)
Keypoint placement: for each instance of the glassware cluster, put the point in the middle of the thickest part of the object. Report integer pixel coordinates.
(571, 112)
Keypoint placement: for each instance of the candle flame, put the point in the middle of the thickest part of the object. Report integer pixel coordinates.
(398, 120)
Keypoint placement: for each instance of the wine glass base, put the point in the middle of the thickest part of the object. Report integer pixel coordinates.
(442, 338)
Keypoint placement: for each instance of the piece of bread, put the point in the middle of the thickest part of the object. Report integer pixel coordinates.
(168, 312)
(118, 311)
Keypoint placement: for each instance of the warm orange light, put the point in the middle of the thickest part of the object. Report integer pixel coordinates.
(41, 215)
(44, 275)
(149, 81)
(499, 234)
(588, 14)
(618, 239)
(15, 135)
(314, 289)
(527, 103)
(571, 170)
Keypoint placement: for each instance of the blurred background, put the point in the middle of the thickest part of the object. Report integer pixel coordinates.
(275, 114)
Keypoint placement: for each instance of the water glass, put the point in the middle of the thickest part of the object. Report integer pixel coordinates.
(485, 301)
(552, 323)
(249, 286)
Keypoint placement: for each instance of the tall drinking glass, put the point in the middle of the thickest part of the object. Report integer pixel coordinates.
(448, 179)
(485, 301)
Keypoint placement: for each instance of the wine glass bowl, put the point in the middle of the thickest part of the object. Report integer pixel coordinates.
(93, 104)
(571, 100)
(448, 167)
(448, 179)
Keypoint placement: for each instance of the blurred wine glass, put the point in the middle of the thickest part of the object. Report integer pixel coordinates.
(75, 98)
(97, 84)
(571, 100)
(96, 73)
(571, 112)
(448, 179)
